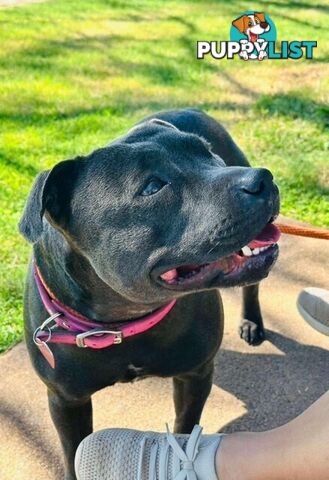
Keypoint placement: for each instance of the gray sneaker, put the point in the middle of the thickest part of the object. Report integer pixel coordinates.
(121, 454)
(313, 305)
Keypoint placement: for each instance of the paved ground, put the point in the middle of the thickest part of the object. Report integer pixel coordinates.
(254, 388)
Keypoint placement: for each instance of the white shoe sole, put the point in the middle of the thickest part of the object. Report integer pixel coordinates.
(320, 327)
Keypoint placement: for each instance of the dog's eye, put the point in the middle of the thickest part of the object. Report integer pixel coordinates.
(153, 186)
(249, 24)
(257, 21)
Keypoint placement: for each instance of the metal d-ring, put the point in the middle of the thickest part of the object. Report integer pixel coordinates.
(43, 326)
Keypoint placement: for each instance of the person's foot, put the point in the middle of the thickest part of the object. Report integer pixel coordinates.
(121, 454)
(313, 305)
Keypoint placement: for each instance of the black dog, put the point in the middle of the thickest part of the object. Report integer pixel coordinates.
(155, 215)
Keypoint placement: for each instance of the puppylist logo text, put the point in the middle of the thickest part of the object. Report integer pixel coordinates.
(253, 37)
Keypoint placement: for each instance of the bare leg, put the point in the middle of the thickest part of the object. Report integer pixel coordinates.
(295, 451)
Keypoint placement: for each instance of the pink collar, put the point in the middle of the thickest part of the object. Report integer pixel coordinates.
(79, 330)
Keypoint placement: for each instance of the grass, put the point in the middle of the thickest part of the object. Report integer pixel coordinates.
(76, 74)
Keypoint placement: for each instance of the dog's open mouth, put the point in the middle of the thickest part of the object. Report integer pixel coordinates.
(253, 37)
(189, 276)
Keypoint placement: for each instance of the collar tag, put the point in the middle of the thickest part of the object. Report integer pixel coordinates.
(46, 352)
(42, 345)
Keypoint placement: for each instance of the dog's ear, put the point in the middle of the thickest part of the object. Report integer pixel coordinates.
(239, 23)
(50, 196)
(30, 224)
(163, 123)
(261, 17)
(148, 128)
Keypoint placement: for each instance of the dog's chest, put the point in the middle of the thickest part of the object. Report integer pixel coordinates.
(134, 373)
(163, 362)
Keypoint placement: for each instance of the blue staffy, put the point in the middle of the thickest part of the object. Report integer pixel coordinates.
(130, 246)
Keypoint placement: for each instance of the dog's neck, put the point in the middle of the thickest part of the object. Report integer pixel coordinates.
(73, 281)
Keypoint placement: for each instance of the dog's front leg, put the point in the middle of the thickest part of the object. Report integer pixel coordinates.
(251, 327)
(190, 394)
(73, 422)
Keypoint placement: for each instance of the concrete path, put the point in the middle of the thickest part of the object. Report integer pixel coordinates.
(254, 388)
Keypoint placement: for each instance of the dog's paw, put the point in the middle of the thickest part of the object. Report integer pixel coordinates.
(244, 55)
(262, 55)
(251, 333)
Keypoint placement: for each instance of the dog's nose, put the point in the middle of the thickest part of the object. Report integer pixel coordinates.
(264, 25)
(257, 181)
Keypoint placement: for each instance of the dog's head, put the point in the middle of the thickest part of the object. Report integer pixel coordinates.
(252, 25)
(157, 214)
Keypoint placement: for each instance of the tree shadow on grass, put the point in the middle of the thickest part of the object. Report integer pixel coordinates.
(301, 22)
(163, 71)
(46, 55)
(303, 176)
(278, 10)
(273, 387)
(321, 59)
(190, 46)
(293, 106)
(311, 5)
(116, 107)
(20, 167)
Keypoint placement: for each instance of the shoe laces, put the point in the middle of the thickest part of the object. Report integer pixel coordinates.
(184, 460)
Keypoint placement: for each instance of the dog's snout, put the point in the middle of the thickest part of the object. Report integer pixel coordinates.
(257, 181)
(264, 25)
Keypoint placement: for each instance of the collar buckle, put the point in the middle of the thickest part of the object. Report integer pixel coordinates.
(79, 339)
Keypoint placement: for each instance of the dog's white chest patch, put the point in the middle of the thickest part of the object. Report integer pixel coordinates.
(135, 369)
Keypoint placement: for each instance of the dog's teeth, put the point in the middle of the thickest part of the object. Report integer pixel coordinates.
(255, 251)
(246, 251)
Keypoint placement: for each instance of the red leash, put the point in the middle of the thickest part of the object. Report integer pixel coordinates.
(303, 231)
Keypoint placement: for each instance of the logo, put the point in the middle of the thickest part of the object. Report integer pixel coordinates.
(253, 31)
(253, 37)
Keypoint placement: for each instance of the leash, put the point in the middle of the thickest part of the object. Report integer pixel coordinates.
(303, 231)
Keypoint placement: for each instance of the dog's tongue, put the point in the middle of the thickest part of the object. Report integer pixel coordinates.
(269, 235)
(253, 37)
(170, 275)
(173, 274)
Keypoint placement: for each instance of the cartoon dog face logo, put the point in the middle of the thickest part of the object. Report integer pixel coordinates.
(252, 25)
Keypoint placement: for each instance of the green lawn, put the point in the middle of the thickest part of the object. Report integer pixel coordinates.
(76, 74)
